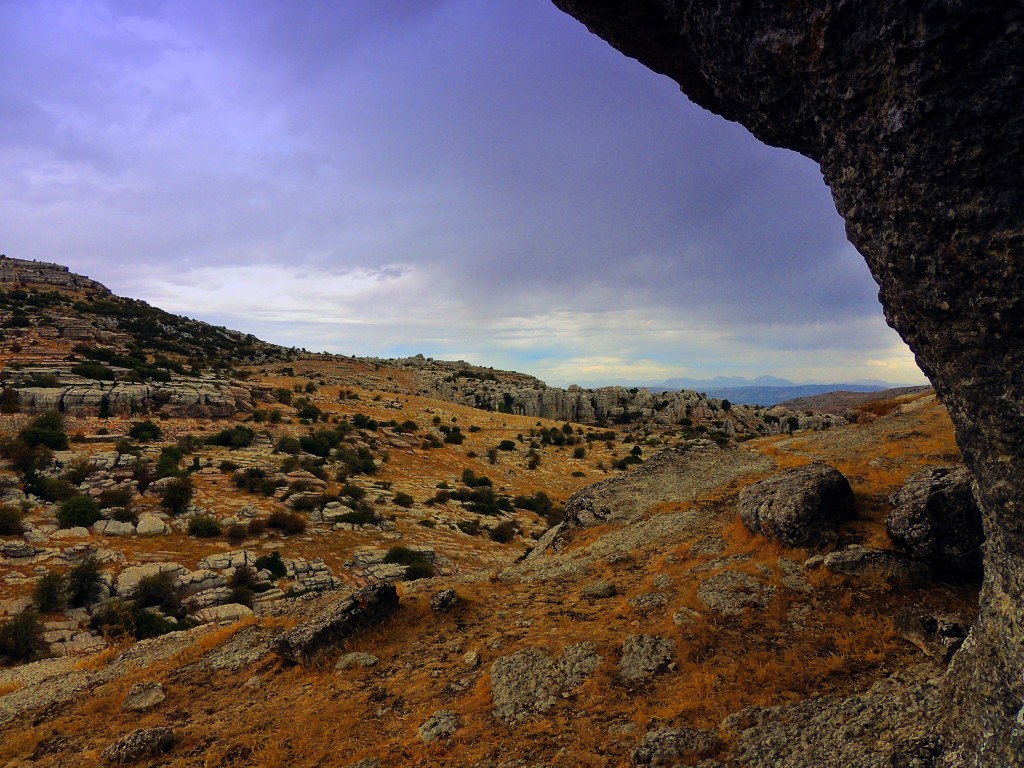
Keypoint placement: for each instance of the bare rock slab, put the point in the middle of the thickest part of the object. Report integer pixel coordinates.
(799, 507)
(336, 621)
(645, 655)
(864, 564)
(529, 682)
(675, 746)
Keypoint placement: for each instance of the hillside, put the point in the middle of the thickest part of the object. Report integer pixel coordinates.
(650, 607)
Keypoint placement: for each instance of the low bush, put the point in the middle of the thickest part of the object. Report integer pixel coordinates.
(237, 533)
(417, 566)
(286, 523)
(84, 583)
(404, 499)
(145, 431)
(78, 511)
(10, 521)
(21, 638)
(472, 527)
(235, 437)
(361, 515)
(115, 497)
(177, 496)
(48, 595)
(272, 563)
(204, 527)
(159, 591)
(257, 527)
(503, 532)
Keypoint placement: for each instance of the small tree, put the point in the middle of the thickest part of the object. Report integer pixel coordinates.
(78, 511)
(48, 595)
(84, 584)
(145, 431)
(21, 638)
(177, 496)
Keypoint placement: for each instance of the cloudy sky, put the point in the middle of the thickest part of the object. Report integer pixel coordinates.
(463, 178)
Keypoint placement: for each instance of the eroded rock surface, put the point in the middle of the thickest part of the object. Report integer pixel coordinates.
(914, 112)
(799, 507)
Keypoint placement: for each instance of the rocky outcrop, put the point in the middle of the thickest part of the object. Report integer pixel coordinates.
(335, 621)
(914, 111)
(800, 507)
(182, 397)
(937, 520)
(19, 273)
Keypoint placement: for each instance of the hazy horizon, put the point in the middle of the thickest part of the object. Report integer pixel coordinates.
(455, 178)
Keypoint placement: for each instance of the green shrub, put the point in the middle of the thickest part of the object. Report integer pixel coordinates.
(45, 430)
(84, 584)
(579, 452)
(241, 584)
(159, 591)
(235, 437)
(272, 563)
(204, 527)
(145, 431)
(504, 532)
(237, 533)
(78, 511)
(507, 445)
(49, 488)
(115, 497)
(361, 515)
(288, 445)
(122, 619)
(177, 496)
(404, 499)
(10, 521)
(48, 595)
(167, 464)
(286, 523)
(472, 527)
(21, 638)
(96, 371)
(417, 565)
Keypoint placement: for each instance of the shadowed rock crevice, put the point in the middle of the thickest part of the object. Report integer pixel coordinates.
(913, 111)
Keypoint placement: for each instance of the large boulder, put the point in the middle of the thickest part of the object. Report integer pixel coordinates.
(936, 519)
(799, 507)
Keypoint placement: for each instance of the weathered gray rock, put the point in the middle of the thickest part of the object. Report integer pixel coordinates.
(444, 600)
(150, 525)
(730, 593)
(936, 520)
(441, 725)
(867, 564)
(675, 746)
(645, 655)
(357, 660)
(139, 745)
(909, 110)
(599, 589)
(130, 577)
(939, 636)
(529, 682)
(225, 612)
(799, 507)
(143, 696)
(336, 620)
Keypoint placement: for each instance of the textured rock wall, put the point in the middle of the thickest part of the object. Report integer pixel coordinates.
(914, 111)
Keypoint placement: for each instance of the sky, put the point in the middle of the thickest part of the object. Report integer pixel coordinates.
(466, 179)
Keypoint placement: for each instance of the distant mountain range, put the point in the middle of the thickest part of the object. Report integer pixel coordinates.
(763, 390)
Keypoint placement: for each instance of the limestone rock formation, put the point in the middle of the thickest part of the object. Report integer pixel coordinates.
(937, 520)
(914, 111)
(799, 507)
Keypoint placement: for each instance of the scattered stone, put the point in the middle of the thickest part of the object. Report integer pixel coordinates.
(336, 620)
(894, 568)
(471, 659)
(649, 602)
(799, 507)
(939, 636)
(937, 520)
(599, 590)
(113, 528)
(675, 746)
(138, 745)
(662, 581)
(143, 696)
(369, 762)
(17, 549)
(578, 662)
(442, 725)
(444, 600)
(729, 593)
(645, 655)
(357, 659)
(685, 616)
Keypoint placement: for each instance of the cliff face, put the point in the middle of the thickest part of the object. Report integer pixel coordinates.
(914, 111)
